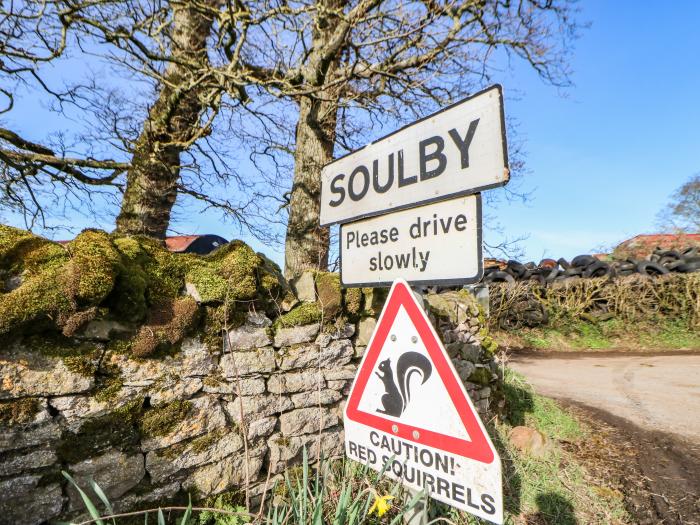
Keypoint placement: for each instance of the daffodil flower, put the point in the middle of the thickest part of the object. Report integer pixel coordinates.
(381, 504)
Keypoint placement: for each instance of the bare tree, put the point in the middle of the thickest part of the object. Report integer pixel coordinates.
(154, 109)
(683, 211)
(349, 66)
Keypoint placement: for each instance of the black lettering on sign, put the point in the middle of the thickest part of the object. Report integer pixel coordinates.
(469, 500)
(408, 180)
(463, 144)
(365, 183)
(375, 176)
(436, 155)
(460, 223)
(443, 486)
(457, 493)
(488, 504)
(337, 189)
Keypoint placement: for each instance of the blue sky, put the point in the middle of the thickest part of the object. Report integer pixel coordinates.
(603, 156)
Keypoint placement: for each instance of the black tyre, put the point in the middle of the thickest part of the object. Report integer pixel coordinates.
(564, 263)
(499, 277)
(671, 266)
(597, 269)
(553, 273)
(689, 267)
(539, 278)
(583, 261)
(516, 269)
(573, 272)
(651, 268)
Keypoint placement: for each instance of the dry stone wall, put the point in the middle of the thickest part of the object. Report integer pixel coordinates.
(198, 420)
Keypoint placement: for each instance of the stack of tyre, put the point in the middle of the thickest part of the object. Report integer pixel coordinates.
(549, 271)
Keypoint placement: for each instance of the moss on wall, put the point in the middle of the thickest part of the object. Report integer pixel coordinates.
(353, 301)
(160, 420)
(305, 313)
(18, 411)
(329, 293)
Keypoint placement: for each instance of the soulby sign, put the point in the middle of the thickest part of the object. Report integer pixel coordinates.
(460, 150)
(409, 415)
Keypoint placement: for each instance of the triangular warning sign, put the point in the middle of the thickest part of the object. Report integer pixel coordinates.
(408, 413)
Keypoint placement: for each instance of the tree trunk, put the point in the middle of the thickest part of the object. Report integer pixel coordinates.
(307, 243)
(172, 123)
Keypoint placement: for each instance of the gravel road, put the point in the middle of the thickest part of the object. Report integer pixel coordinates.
(653, 391)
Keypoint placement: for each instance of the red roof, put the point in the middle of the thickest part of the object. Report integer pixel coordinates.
(179, 243)
(644, 245)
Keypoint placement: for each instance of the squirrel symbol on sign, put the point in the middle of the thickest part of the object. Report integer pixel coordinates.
(397, 392)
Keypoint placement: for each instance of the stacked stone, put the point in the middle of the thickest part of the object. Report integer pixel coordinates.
(460, 323)
(200, 420)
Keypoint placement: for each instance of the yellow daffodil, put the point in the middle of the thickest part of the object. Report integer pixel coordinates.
(381, 504)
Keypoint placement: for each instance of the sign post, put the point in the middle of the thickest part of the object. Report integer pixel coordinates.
(409, 205)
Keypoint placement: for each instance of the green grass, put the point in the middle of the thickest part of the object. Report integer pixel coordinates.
(584, 335)
(553, 489)
(672, 334)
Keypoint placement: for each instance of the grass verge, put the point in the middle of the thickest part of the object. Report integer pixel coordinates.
(555, 489)
(584, 335)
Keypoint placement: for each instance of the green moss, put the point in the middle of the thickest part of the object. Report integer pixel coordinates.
(238, 266)
(109, 383)
(168, 324)
(159, 421)
(374, 300)
(329, 293)
(118, 429)
(487, 341)
(210, 285)
(119, 346)
(305, 313)
(83, 365)
(353, 301)
(165, 271)
(128, 300)
(204, 442)
(19, 411)
(93, 268)
(22, 252)
(63, 286)
(480, 376)
(40, 301)
(78, 357)
(196, 446)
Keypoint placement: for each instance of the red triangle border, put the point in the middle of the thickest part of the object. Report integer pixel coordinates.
(480, 448)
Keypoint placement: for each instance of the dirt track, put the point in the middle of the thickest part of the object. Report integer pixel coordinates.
(653, 404)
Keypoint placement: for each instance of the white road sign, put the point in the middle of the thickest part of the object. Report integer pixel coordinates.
(438, 243)
(409, 415)
(457, 151)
